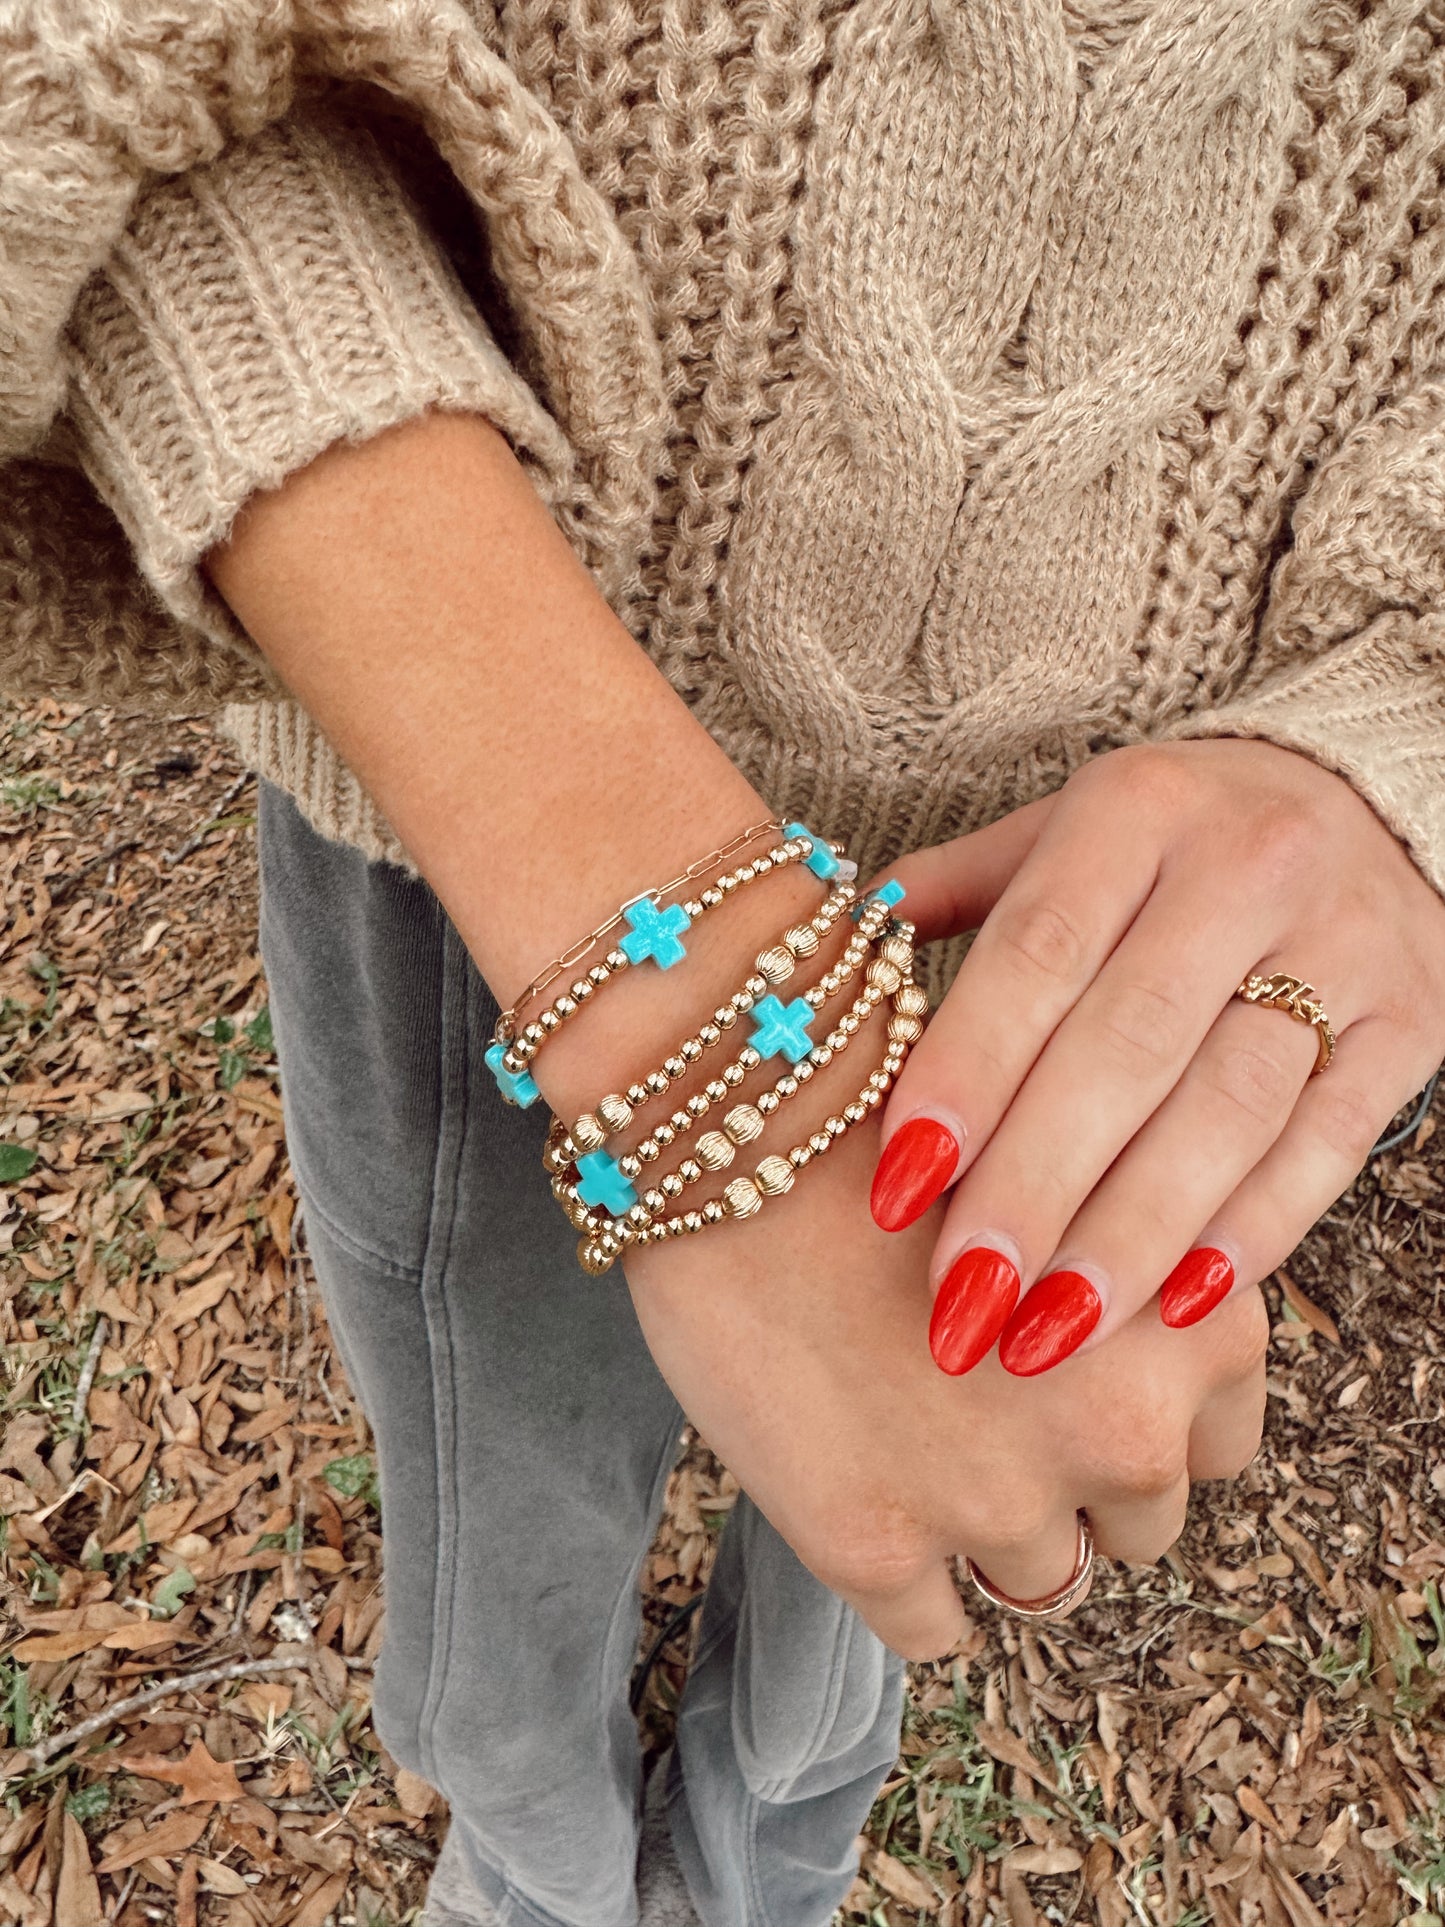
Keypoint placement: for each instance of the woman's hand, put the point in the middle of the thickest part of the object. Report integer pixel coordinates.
(797, 1342)
(1112, 1119)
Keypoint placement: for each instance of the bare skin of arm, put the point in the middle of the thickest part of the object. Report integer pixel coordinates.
(416, 597)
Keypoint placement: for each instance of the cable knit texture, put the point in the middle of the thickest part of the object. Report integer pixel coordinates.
(942, 391)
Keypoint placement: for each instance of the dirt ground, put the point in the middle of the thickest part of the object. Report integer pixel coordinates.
(1252, 1733)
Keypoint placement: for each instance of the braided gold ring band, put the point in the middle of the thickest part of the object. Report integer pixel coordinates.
(1055, 1604)
(1298, 1000)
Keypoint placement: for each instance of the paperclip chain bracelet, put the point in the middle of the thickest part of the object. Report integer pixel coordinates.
(654, 934)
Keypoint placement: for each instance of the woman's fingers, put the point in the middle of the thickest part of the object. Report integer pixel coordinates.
(1110, 1065)
(1037, 953)
(953, 886)
(1234, 1098)
(1027, 1555)
(1330, 1133)
(1226, 1433)
(919, 1617)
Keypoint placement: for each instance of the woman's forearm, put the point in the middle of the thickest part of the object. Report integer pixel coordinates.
(414, 594)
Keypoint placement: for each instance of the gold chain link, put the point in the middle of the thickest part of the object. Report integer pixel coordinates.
(506, 1023)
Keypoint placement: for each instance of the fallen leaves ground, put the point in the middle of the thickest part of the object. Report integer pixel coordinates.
(1251, 1734)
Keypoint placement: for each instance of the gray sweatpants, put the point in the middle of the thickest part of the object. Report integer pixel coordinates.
(524, 1438)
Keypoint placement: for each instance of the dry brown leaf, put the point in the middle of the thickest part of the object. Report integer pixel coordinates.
(1305, 1307)
(1046, 1859)
(218, 1878)
(77, 1893)
(318, 1901)
(901, 1881)
(198, 1776)
(172, 1835)
(413, 1795)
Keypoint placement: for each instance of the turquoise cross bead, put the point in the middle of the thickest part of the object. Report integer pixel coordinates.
(518, 1087)
(822, 861)
(655, 933)
(600, 1183)
(782, 1029)
(892, 893)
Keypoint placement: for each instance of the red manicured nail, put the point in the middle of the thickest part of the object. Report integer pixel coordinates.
(1054, 1319)
(1195, 1286)
(920, 1158)
(978, 1292)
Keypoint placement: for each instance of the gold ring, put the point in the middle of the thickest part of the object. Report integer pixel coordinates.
(1297, 999)
(1055, 1604)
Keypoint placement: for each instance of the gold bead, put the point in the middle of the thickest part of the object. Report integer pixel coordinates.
(698, 1105)
(800, 1157)
(618, 960)
(911, 1001)
(787, 1085)
(692, 1221)
(896, 950)
(630, 1166)
(872, 1097)
(639, 1217)
(743, 1198)
(565, 1006)
(714, 1151)
(709, 1034)
(681, 1121)
(906, 1030)
(690, 1050)
(887, 976)
(749, 1058)
(534, 1035)
(614, 1111)
(663, 1134)
(598, 974)
(593, 1260)
(714, 1211)
(649, 1149)
(821, 1056)
(733, 1074)
(549, 1020)
(674, 1067)
(671, 1185)
(689, 1170)
(710, 898)
(654, 1201)
(776, 965)
(855, 1112)
(583, 989)
(725, 1017)
(588, 1133)
(802, 939)
(743, 1123)
(657, 1083)
(756, 986)
(637, 1094)
(554, 1158)
(773, 1176)
(834, 1126)
(609, 1244)
(819, 1142)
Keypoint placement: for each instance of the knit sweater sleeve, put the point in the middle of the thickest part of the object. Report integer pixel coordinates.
(284, 297)
(1348, 661)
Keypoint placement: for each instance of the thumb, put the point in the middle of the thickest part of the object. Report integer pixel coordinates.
(952, 886)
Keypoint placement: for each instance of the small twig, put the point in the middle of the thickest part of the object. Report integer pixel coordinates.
(183, 1683)
(88, 1370)
(69, 884)
(118, 1907)
(193, 843)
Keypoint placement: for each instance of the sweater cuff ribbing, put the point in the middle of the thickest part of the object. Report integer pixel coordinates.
(1372, 710)
(257, 311)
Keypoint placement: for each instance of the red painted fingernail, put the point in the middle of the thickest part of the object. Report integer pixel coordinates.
(1054, 1319)
(978, 1292)
(920, 1158)
(1195, 1286)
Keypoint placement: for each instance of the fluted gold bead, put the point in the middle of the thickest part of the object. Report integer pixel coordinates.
(588, 1133)
(671, 1185)
(560, 1189)
(802, 939)
(776, 965)
(911, 1001)
(774, 1176)
(579, 1214)
(743, 1198)
(614, 1111)
(593, 1260)
(896, 950)
(887, 976)
(906, 1030)
(855, 1112)
(743, 1123)
(715, 1151)
(714, 1211)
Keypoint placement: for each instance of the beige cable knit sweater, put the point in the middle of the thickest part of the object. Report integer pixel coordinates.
(943, 391)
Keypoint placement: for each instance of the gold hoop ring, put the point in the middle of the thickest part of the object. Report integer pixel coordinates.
(1298, 1000)
(1055, 1604)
